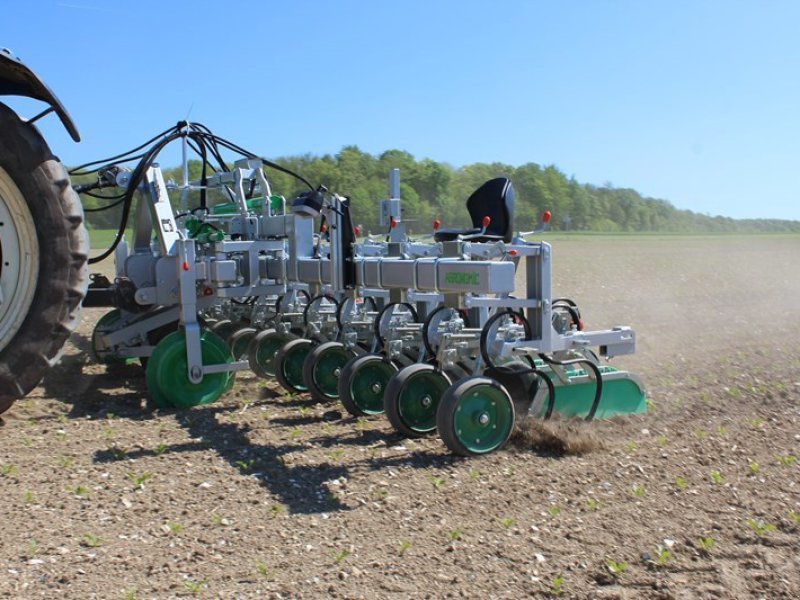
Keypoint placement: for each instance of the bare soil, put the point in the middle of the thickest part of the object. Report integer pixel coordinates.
(267, 495)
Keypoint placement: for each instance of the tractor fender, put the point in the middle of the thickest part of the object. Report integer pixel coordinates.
(16, 79)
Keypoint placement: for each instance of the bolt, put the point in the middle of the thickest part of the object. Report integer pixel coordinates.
(196, 372)
(376, 387)
(483, 418)
(427, 401)
(336, 372)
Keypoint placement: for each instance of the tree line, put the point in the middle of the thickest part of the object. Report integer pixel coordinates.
(433, 190)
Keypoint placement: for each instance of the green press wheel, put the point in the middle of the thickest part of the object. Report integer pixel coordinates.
(167, 379)
(263, 349)
(322, 368)
(363, 382)
(239, 341)
(475, 416)
(105, 325)
(412, 399)
(289, 364)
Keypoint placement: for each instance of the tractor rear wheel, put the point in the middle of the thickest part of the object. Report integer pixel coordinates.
(43, 258)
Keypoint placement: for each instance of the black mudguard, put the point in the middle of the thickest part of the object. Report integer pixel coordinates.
(18, 80)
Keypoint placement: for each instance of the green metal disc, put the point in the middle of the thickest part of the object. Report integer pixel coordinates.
(168, 381)
(327, 368)
(105, 323)
(368, 384)
(483, 418)
(418, 401)
(264, 349)
(293, 365)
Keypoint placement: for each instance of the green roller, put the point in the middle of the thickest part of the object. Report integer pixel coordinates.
(623, 394)
(167, 377)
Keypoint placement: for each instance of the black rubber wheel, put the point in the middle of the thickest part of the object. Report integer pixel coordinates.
(322, 369)
(263, 349)
(239, 341)
(44, 250)
(289, 364)
(363, 383)
(476, 416)
(412, 399)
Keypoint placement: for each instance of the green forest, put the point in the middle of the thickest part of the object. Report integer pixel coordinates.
(432, 190)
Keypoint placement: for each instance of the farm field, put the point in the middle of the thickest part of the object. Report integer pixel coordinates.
(268, 495)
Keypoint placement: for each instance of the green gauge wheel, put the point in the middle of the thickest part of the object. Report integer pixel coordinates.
(168, 381)
(475, 416)
(363, 382)
(263, 349)
(239, 341)
(412, 399)
(105, 325)
(322, 368)
(289, 364)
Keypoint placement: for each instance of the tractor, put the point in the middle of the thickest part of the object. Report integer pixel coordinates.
(44, 244)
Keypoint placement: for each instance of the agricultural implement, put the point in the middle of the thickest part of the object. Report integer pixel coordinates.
(223, 274)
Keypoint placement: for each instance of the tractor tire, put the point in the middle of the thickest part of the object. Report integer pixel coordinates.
(43, 258)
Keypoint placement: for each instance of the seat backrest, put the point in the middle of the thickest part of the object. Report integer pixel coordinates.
(494, 199)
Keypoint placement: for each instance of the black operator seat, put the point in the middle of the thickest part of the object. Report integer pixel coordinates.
(494, 199)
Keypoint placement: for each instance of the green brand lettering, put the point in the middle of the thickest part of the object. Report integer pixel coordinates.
(454, 278)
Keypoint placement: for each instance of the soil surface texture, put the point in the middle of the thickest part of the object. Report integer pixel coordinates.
(267, 495)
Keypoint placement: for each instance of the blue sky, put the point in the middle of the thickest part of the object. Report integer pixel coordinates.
(694, 102)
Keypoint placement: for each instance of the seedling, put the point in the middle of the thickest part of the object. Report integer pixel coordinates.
(263, 569)
(437, 481)
(194, 587)
(557, 585)
(722, 430)
(616, 568)
(175, 528)
(246, 465)
(700, 434)
(404, 545)
(474, 474)
(336, 455)
(786, 460)
(663, 440)
(27, 442)
(681, 483)
(8, 470)
(80, 490)
(593, 504)
(794, 517)
(277, 509)
(455, 534)
(93, 541)
(631, 446)
(662, 555)
(717, 477)
(638, 491)
(340, 555)
(66, 461)
(760, 527)
(28, 497)
(160, 449)
(295, 433)
(130, 594)
(756, 422)
(33, 547)
(507, 522)
(554, 511)
(139, 480)
(705, 544)
(304, 411)
(382, 494)
(117, 453)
